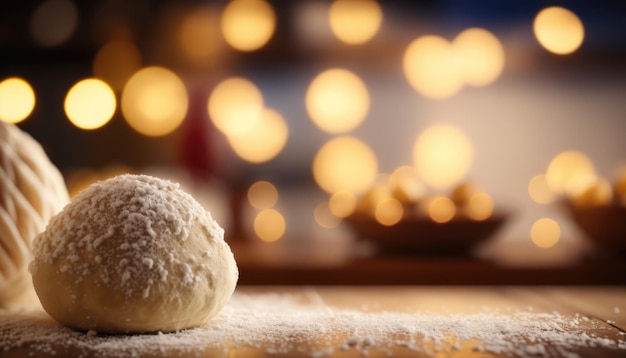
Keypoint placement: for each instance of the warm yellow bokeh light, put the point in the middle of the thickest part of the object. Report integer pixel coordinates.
(154, 101)
(199, 36)
(441, 209)
(115, 62)
(17, 100)
(269, 225)
(559, 30)
(235, 105)
(539, 190)
(337, 100)
(479, 207)
(54, 22)
(262, 195)
(263, 141)
(406, 186)
(545, 233)
(324, 217)
(355, 22)
(90, 104)
(345, 163)
(247, 25)
(342, 204)
(442, 155)
(568, 168)
(594, 191)
(431, 67)
(389, 212)
(480, 56)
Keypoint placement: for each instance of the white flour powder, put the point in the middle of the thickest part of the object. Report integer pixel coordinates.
(290, 325)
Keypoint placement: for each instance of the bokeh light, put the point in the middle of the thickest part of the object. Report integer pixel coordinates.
(54, 22)
(324, 217)
(342, 204)
(337, 100)
(442, 155)
(264, 140)
(431, 67)
(441, 209)
(480, 56)
(479, 207)
(17, 100)
(235, 105)
(568, 170)
(154, 101)
(355, 22)
(262, 195)
(559, 30)
(545, 233)
(269, 225)
(594, 192)
(115, 62)
(90, 104)
(406, 186)
(199, 36)
(389, 212)
(345, 163)
(539, 190)
(247, 25)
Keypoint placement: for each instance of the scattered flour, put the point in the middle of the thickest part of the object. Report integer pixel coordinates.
(284, 325)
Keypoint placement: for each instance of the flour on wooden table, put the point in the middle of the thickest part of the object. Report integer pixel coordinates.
(281, 324)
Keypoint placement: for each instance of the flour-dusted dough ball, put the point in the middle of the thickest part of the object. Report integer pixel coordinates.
(31, 191)
(133, 253)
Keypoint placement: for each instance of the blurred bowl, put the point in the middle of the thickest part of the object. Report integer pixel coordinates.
(422, 236)
(605, 226)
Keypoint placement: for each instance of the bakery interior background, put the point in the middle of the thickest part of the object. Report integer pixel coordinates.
(314, 100)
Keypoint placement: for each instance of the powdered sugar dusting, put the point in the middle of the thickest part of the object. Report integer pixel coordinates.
(284, 324)
(137, 208)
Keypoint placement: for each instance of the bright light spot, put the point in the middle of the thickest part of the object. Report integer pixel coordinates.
(269, 225)
(545, 233)
(406, 186)
(355, 22)
(389, 212)
(235, 105)
(593, 192)
(559, 30)
(479, 207)
(17, 100)
(262, 195)
(431, 67)
(263, 141)
(442, 155)
(441, 209)
(373, 196)
(90, 104)
(199, 36)
(248, 25)
(154, 101)
(324, 217)
(337, 101)
(566, 169)
(342, 204)
(53, 22)
(480, 56)
(115, 62)
(539, 190)
(345, 163)
(463, 192)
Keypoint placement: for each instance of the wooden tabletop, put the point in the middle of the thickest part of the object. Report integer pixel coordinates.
(378, 321)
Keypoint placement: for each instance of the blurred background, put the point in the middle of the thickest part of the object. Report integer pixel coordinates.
(329, 137)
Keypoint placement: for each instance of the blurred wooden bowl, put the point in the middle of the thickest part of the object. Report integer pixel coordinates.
(605, 226)
(422, 236)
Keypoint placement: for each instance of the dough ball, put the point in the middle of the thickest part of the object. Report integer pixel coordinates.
(133, 253)
(32, 191)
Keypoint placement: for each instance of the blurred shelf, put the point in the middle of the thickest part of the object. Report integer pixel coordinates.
(292, 268)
